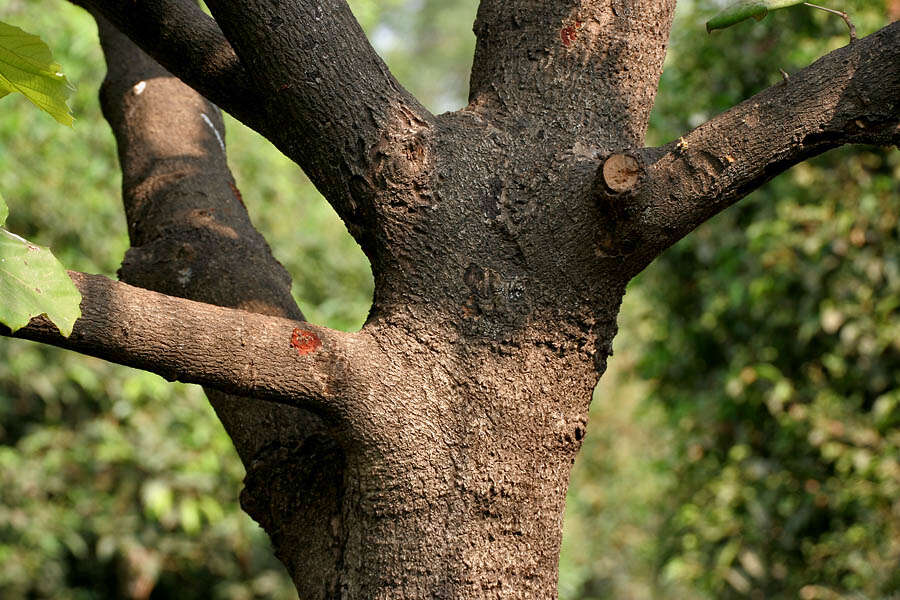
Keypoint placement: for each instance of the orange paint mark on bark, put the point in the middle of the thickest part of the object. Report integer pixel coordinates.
(569, 33)
(306, 342)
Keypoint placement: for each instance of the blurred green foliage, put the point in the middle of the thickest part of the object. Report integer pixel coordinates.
(743, 444)
(760, 368)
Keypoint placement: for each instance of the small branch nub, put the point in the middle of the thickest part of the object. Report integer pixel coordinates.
(621, 172)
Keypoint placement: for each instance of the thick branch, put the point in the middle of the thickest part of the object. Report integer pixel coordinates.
(588, 70)
(191, 235)
(330, 101)
(190, 232)
(307, 79)
(285, 361)
(852, 95)
(185, 40)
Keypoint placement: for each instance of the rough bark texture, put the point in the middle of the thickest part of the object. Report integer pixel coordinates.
(428, 455)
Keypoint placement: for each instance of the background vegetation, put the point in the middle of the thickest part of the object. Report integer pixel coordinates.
(744, 443)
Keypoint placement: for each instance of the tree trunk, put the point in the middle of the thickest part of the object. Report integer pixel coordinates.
(428, 455)
(459, 492)
(481, 354)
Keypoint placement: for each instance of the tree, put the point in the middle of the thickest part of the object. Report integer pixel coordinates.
(428, 454)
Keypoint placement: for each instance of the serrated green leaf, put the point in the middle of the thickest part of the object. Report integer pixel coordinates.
(4, 212)
(744, 9)
(33, 282)
(27, 67)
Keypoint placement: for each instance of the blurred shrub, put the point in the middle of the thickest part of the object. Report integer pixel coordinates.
(777, 357)
(763, 460)
(775, 349)
(114, 483)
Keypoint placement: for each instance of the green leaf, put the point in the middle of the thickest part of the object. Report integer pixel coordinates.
(26, 66)
(4, 211)
(744, 9)
(33, 282)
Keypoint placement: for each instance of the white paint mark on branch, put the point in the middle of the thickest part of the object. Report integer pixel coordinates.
(215, 131)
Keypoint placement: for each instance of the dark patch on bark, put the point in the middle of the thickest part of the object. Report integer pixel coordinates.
(295, 494)
(491, 201)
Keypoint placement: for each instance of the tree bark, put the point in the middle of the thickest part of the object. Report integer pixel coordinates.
(428, 455)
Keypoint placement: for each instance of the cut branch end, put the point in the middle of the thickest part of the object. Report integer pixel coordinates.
(621, 172)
